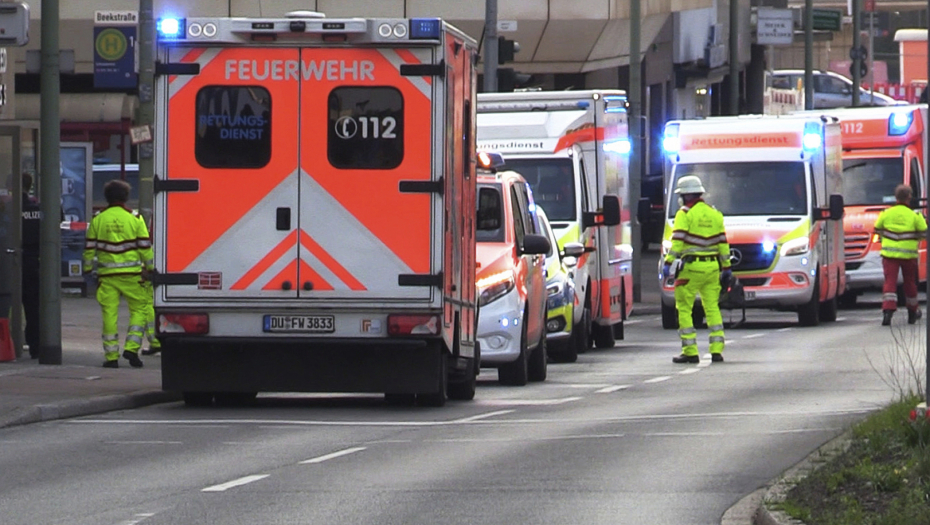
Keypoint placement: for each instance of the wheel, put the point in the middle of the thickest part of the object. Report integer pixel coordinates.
(536, 367)
(828, 309)
(698, 317)
(198, 399)
(604, 336)
(902, 300)
(809, 312)
(669, 317)
(462, 383)
(581, 339)
(515, 373)
(234, 399)
(438, 398)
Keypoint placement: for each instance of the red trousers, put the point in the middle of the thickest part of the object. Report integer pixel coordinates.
(908, 268)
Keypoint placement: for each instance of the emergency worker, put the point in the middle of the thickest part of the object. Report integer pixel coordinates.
(30, 266)
(120, 242)
(154, 343)
(699, 242)
(901, 229)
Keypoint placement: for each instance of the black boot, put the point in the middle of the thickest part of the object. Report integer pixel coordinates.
(686, 359)
(913, 316)
(886, 317)
(133, 359)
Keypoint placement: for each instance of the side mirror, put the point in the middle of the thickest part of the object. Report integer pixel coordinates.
(535, 245)
(572, 249)
(611, 210)
(642, 210)
(836, 207)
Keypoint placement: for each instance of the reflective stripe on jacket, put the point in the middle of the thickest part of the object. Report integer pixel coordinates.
(119, 241)
(901, 229)
(699, 231)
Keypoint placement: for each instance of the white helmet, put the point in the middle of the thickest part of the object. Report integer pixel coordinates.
(689, 184)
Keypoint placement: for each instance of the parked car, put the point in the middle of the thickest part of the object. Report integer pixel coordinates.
(511, 279)
(831, 90)
(560, 292)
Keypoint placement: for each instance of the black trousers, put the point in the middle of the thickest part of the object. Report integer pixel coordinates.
(31, 301)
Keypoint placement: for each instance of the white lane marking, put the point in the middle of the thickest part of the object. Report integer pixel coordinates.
(752, 336)
(235, 483)
(657, 379)
(689, 371)
(609, 389)
(483, 416)
(137, 518)
(523, 438)
(586, 385)
(327, 457)
(785, 329)
(632, 321)
(528, 402)
(840, 319)
(144, 442)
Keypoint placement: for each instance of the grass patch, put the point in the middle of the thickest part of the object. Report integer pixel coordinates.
(883, 478)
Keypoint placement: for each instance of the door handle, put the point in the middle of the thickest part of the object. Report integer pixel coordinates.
(283, 219)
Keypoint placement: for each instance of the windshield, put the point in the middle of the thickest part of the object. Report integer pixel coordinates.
(490, 227)
(749, 188)
(871, 181)
(553, 183)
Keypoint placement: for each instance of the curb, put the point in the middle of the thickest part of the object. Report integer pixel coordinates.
(86, 407)
(776, 493)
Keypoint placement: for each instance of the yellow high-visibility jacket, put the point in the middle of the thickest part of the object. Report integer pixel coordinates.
(901, 229)
(120, 242)
(698, 231)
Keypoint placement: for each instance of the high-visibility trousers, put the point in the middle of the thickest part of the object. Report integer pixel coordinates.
(909, 270)
(150, 315)
(699, 278)
(109, 290)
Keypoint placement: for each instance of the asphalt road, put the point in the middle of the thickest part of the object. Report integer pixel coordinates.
(622, 436)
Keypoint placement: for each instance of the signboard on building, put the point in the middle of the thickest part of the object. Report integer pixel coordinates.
(827, 19)
(115, 49)
(774, 26)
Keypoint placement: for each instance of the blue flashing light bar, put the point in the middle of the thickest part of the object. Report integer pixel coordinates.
(171, 28)
(621, 146)
(671, 143)
(812, 139)
(899, 122)
(425, 28)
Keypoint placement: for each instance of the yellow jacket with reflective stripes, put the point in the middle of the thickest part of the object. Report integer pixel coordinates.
(699, 231)
(119, 241)
(901, 229)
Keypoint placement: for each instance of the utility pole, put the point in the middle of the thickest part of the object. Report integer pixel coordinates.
(734, 57)
(490, 46)
(50, 162)
(635, 96)
(857, 45)
(146, 108)
(809, 54)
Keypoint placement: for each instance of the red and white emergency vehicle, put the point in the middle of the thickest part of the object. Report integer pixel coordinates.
(777, 180)
(315, 207)
(882, 148)
(572, 148)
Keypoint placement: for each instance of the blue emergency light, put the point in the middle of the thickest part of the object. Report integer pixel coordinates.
(812, 138)
(768, 246)
(671, 143)
(425, 28)
(899, 122)
(621, 146)
(171, 28)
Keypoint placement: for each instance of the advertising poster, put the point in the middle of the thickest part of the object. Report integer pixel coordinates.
(75, 162)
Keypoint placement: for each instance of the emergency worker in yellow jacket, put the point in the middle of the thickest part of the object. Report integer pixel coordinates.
(699, 242)
(901, 230)
(122, 248)
(154, 343)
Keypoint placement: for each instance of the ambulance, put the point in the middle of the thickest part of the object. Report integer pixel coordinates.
(572, 148)
(315, 207)
(778, 182)
(882, 148)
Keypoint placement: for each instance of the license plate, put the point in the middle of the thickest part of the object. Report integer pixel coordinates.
(750, 295)
(304, 324)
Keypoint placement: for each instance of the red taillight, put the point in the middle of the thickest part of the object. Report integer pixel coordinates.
(405, 324)
(183, 323)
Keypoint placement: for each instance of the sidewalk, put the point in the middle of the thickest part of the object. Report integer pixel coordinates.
(30, 392)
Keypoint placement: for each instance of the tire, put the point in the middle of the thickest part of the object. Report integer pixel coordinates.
(581, 332)
(438, 398)
(669, 317)
(809, 312)
(902, 300)
(536, 368)
(698, 317)
(563, 351)
(235, 399)
(828, 309)
(198, 399)
(515, 373)
(462, 384)
(604, 336)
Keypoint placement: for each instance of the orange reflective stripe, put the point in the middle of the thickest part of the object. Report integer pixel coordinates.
(287, 274)
(308, 274)
(191, 56)
(330, 263)
(407, 56)
(273, 256)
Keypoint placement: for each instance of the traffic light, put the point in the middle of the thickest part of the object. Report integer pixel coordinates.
(506, 49)
(509, 80)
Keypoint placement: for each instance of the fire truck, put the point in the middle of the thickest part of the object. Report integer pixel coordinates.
(778, 182)
(314, 207)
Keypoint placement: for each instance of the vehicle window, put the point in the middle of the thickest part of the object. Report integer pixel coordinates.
(366, 128)
(490, 215)
(552, 182)
(749, 188)
(545, 229)
(519, 218)
(781, 82)
(916, 176)
(233, 127)
(530, 218)
(871, 181)
(833, 86)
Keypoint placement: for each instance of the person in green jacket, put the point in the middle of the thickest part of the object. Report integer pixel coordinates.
(901, 230)
(699, 241)
(122, 248)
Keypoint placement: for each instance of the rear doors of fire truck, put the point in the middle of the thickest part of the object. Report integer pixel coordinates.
(283, 172)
